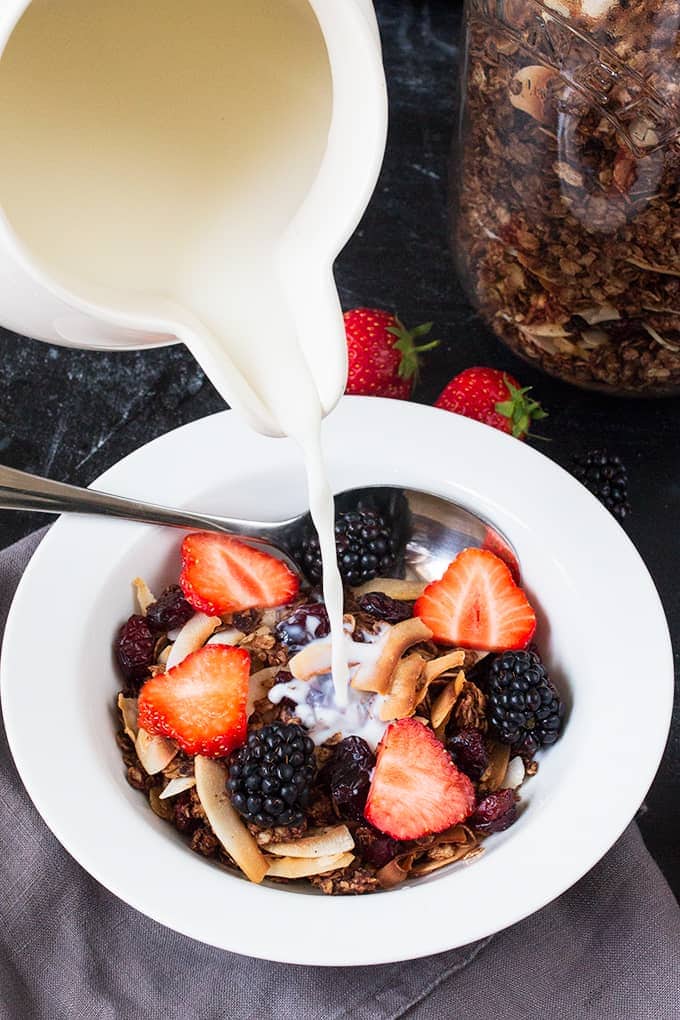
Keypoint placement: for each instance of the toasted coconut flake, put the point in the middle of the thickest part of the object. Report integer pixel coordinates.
(593, 338)
(327, 842)
(499, 758)
(461, 853)
(313, 660)
(655, 335)
(427, 866)
(651, 268)
(443, 706)
(661, 310)
(258, 685)
(457, 834)
(395, 871)
(405, 688)
(159, 806)
(561, 8)
(228, 636)
(155, 753)
(396, 587)
(192, 636)
(163, 656)
(145, 597)
(376, 676)
(176, 786)
(528, 91)
(543, 343)
(301, 867)
(128, 710)
(514, 775)
(546, 329)
(598, 313)
(211, 778)
(435, 667)
(161, 643)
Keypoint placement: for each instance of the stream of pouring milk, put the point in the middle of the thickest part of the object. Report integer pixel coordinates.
(154, 152)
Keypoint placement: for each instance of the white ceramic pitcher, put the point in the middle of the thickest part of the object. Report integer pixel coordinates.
(64, 288)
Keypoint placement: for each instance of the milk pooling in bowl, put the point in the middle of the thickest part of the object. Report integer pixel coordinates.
(159, 167)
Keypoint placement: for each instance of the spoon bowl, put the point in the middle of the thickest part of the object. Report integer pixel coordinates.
(433, 530)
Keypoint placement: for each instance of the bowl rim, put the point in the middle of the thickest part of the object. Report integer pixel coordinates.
(416, 444)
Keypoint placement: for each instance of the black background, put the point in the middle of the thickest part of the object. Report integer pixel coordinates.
(71, 414)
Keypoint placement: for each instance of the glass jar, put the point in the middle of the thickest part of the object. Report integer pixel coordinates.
(566, 219)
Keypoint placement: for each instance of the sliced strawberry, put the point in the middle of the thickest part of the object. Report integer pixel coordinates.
(222, 575)
(416, 789)
(497, 545)
(200, 702)
(477, 604)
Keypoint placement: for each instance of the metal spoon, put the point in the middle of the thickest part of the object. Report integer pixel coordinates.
(432, 530)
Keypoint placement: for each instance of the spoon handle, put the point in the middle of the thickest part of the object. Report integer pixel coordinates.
(22, 491)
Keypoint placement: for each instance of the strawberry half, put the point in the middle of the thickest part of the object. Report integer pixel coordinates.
(222, 575)
(200, 702)
(477, 604)
(416, 789)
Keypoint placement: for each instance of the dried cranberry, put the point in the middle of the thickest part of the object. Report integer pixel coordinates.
(384, 608)
(496, 812)
(134, 648)
(468, 752)
(374, 847)
(170, 611)
(347, 775)
(305, 624)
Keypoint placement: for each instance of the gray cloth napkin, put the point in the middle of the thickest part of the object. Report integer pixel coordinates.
(609, 949)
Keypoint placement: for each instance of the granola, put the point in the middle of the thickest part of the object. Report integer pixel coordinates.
(567, 225)
(408, 778)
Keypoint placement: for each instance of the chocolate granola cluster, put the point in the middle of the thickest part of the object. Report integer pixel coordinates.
(567, 227)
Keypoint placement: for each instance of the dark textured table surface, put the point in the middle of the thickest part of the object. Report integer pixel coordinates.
(70, 414)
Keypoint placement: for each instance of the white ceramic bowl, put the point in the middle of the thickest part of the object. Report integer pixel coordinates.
(600, 617)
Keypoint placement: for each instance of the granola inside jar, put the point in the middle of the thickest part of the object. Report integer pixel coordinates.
(567, 215)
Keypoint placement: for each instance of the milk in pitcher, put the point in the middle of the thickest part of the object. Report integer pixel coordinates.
(154, 153)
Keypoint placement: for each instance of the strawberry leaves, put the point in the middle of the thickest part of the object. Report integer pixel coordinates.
(409, 364)
(519, 409)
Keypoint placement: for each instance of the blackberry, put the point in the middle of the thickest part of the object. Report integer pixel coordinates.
(347, 776)
(170, 611)
(304, 624)
(606, 477)
(270, 776)
(134, 649)
(524, 708)
(365, 543)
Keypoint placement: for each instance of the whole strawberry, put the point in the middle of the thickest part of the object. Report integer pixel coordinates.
(383, 354)
(494, 398)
